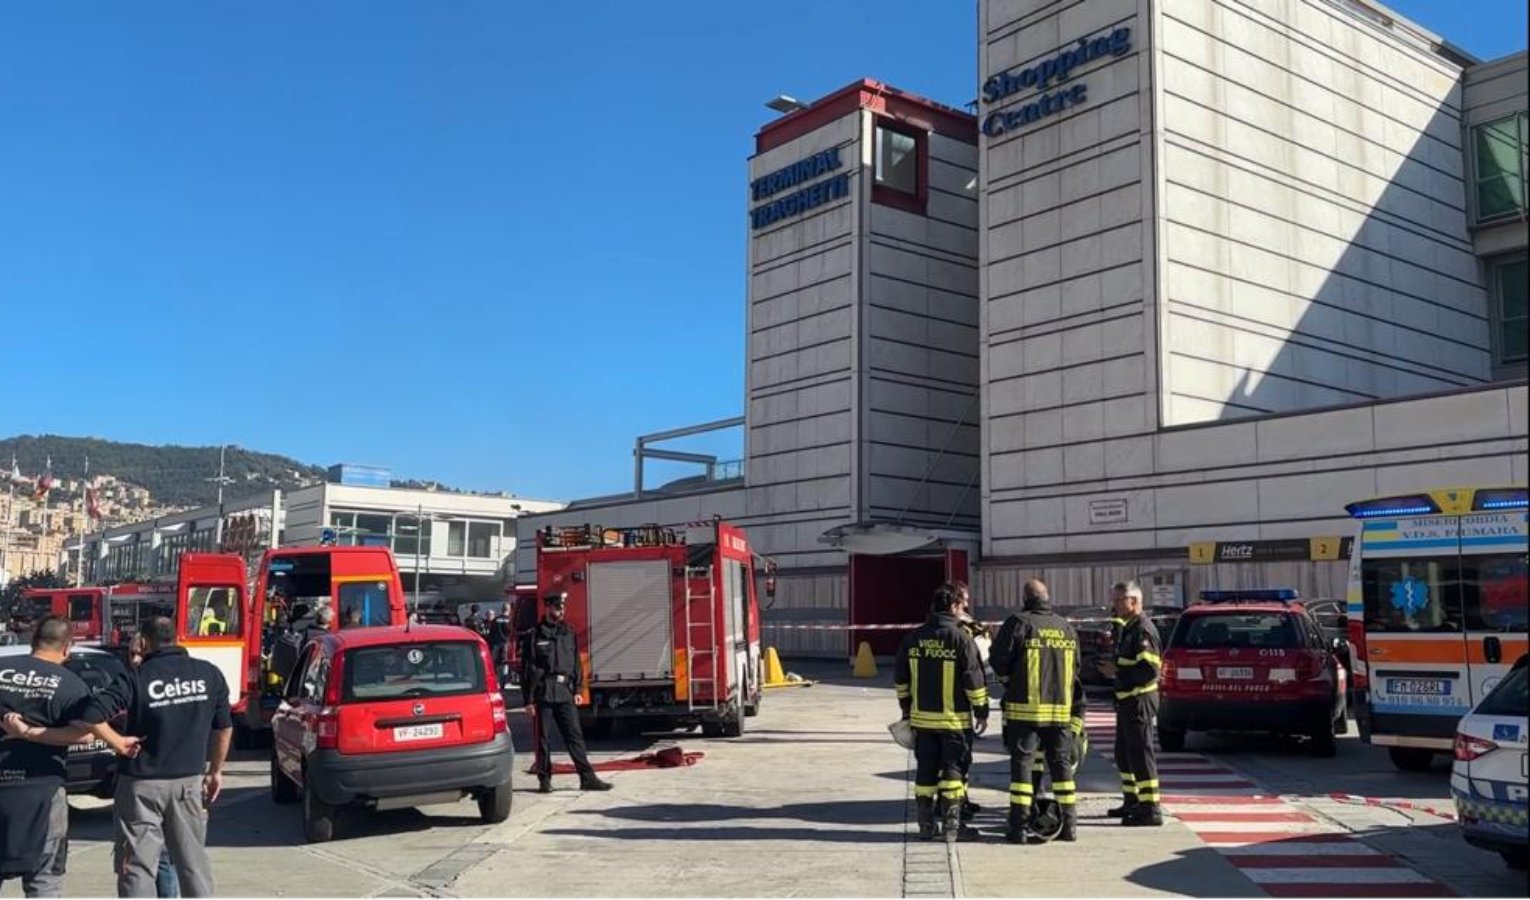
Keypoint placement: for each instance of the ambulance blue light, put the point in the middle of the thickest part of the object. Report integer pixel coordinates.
(1501, 498)
(1409, 505)
(1263, 595)
(1392, 511)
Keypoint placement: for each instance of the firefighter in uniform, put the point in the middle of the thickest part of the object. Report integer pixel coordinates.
(941, 690)
(1123, 767)
(1136, 688)
(982, 637)
(1036, 657)
(550, 683)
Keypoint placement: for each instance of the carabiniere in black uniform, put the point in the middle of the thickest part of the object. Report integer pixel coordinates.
(1138, 662)
(551, 677)
(938, 677)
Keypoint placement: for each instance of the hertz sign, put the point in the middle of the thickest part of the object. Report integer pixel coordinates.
(1318, 549)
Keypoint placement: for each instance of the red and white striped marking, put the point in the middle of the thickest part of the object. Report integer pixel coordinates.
(1278, 845)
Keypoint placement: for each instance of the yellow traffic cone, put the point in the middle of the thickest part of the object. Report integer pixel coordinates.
(774, 674)
(865, 664)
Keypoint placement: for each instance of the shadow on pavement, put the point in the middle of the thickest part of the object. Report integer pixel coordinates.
(735, 833)
(1200, 872)
(845, 812)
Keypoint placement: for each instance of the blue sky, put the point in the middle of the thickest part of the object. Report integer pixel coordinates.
(483, 242)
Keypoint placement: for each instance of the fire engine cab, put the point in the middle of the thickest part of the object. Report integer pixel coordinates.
(667, 622)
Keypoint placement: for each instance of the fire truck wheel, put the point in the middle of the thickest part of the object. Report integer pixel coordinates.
(733, 727)
(318, 816)
(494, 804)
(282, 788)
(752, 708)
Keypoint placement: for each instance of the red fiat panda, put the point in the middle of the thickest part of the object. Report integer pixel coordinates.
(391, 717)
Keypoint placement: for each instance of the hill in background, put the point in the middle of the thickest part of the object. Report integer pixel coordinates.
(175, 476)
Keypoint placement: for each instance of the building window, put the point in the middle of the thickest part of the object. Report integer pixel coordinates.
(897, 160)
(481, 537)
(408, 539)
(1509, 307)
(456, 538)
(1500, 167)
(900, 166)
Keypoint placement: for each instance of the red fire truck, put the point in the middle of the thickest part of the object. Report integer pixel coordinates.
(668, 622)
(82, 606)
(360, 584)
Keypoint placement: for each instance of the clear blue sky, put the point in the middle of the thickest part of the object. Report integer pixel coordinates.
(484, 242)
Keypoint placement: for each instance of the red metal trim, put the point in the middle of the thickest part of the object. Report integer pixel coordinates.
(899, 105)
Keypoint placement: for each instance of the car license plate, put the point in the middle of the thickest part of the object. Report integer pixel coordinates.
(417, 732)
(1419, 687)
(1235, 672)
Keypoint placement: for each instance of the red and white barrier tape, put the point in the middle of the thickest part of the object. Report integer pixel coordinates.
(1356, 800)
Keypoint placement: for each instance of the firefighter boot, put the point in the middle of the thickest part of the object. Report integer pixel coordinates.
(544, 784)
(1124, 810)
(592, 782)
(926, 812)
(1069, 832)
(1144, 815)
(1016, 832)
(953, 828)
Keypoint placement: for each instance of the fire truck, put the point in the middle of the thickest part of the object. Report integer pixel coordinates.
(667, 622)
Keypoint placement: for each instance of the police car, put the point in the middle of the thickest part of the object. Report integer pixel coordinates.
(1489, 777)
(92, 765)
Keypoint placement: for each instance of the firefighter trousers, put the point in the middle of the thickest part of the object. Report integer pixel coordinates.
(1135, 755)
(938, 766)
(1026, 743)
(565, 716)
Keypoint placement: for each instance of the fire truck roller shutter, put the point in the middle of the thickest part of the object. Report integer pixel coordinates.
(630, 620)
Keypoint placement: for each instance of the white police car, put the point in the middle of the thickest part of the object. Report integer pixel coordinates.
(1490, 779)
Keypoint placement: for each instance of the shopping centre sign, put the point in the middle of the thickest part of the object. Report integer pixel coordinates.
(1042, 77)
(799, 201)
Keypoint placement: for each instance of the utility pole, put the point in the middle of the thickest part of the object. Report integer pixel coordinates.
(79, 562)
(10, 498)
(221, 480)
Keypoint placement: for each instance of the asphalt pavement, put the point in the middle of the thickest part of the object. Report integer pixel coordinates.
(814, 800)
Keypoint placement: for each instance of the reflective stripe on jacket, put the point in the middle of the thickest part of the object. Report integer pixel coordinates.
(1036, 656)
(1137, 658)
(938, 677)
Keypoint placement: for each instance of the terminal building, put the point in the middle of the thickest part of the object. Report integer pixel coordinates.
(1195, 275)
(451, 547)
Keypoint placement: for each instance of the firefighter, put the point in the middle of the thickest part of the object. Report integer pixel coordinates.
(939, 682)
(1036, 657)
(1136, 689)
(981, 636)
(1123, 768)
(551, 677)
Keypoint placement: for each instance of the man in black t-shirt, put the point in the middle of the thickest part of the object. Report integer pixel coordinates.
(34, 815)
(179, 728)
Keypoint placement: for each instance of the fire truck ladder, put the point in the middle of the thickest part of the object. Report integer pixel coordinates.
(707, 651)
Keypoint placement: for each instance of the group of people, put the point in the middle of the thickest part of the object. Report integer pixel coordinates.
(170, 722)
(941, 685)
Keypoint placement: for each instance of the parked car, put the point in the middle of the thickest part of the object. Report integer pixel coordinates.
(92, 766)
(392, 717)
(1489, 776)
(1251, 661)
(1096, 653)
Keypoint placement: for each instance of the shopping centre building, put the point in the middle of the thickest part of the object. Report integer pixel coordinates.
(1195, 275)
